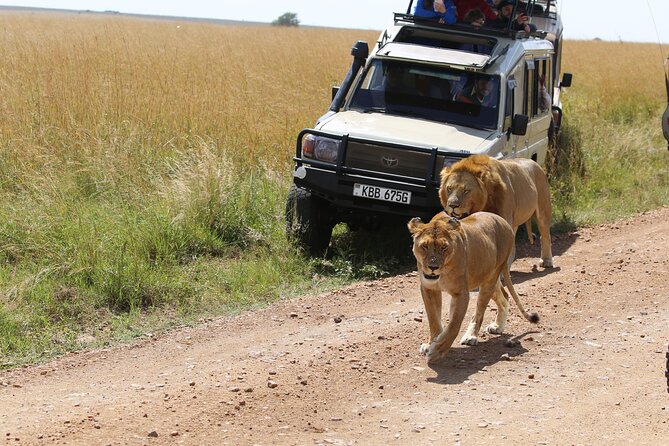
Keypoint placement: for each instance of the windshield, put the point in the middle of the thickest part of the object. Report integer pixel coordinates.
(428, 92)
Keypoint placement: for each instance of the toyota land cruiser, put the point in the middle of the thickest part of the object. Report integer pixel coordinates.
(427, 95)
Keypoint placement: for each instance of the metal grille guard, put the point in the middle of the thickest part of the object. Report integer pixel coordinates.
(341, 169)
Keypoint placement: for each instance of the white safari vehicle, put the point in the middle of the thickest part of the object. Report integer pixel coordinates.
(425, 96)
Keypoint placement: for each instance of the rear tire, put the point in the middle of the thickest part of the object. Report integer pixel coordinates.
(308, 221)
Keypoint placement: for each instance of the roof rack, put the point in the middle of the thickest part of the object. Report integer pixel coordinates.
(465, 28)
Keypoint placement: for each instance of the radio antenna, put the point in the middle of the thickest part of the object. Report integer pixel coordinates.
(657, 33)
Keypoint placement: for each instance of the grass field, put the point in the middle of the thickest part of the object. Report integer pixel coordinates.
(144, 167)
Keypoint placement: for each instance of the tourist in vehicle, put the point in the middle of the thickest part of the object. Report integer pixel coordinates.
(463, 7)
(393, 79)
(505, 19)
(545, 100)
(441, 10)
(477, 92)
(474, 17)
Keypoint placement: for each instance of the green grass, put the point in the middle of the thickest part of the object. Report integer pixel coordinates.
(92, 254)
(612, 162)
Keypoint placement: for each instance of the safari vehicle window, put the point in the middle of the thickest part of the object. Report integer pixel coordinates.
(428, 92)
(529, 87)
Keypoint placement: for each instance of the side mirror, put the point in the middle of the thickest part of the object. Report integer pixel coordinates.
(566, 80)
(519, 125)
(334, 92)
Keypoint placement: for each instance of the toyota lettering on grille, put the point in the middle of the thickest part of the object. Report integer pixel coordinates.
(389, 161)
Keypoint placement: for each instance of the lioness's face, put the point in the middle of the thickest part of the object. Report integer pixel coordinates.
(461, 194)
(432, 245)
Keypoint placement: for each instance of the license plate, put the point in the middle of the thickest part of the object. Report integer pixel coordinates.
(381, 193)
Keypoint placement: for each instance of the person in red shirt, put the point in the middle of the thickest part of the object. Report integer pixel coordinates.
(464, 6)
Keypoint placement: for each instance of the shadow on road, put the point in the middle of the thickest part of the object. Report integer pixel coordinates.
(561, 244)
(463, 362)
(536, 273)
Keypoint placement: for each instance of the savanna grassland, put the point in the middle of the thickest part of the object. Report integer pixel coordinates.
(144, 167)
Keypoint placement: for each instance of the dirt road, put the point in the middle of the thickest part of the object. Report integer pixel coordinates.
(344, 367)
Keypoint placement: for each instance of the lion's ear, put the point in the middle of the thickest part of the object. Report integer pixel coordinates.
(454, 223)
(414, 225)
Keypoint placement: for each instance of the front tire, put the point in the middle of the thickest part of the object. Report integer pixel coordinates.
(308, 221)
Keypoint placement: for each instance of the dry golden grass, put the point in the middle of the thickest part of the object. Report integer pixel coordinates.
(69, 81)
(608, 74)
(72, 83)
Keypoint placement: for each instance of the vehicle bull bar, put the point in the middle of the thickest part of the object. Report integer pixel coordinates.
(340, 168)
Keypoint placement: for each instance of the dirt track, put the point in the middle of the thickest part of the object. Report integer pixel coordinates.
(344, 367)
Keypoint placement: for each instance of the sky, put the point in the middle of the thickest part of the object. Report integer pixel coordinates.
(630, 21)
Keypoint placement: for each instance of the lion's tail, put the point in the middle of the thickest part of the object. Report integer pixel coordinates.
(532, 317)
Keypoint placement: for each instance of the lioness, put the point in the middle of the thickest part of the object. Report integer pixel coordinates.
(515, 189)
(458, 256)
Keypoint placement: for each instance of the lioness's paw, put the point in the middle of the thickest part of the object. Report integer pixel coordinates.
(434, 356)
(546, 263)
(494, 329)
(424, 349)
(469, 340)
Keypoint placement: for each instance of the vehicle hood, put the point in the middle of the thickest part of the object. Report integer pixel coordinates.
(409, 131)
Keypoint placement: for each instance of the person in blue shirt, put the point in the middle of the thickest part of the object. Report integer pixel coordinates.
(441, 10)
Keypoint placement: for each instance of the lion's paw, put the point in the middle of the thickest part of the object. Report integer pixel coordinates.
(424, 349)
(546, 263)
(494, 329)
(469, 340)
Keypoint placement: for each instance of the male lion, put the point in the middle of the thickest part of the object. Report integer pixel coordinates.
(515, 189)
(456, 257)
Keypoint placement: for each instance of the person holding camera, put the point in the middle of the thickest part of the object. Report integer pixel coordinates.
(506, 20)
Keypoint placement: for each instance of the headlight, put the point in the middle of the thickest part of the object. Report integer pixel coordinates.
(320, 148)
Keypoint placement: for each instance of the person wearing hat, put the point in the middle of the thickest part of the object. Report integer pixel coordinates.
(441, 10)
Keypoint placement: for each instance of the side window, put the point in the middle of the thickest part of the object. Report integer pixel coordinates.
(530, 97)
(511, 86)
(542, 87)
(515, 90)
